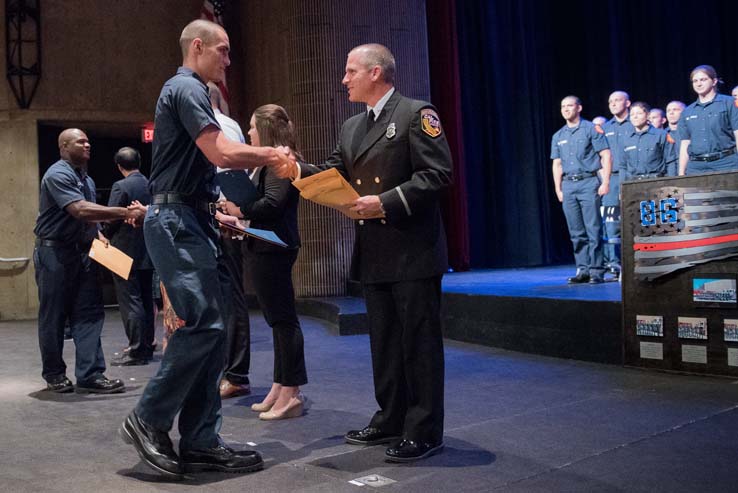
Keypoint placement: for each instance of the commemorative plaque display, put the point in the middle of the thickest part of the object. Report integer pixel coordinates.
(679, 273)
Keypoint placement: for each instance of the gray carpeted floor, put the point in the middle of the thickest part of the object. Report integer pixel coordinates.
(514, 422)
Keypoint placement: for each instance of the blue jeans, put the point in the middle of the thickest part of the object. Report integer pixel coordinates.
(68, 291)
(182, 245)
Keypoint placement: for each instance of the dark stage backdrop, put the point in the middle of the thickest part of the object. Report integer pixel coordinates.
(518, 58)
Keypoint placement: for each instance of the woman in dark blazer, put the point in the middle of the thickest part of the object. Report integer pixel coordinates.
(269, 267)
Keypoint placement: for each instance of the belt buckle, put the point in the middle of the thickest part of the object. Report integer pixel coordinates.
(211, 208)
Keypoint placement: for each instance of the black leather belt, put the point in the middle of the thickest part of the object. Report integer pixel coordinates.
(40, 242)
(578, 176)
(712, 156)
(180, 198)
(614, 172)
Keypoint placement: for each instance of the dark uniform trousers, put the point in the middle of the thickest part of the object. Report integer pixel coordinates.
(238, 330)
(611, 217)
(407, 357)
(582, 211)
(182, 243)
(136, 303)
(68, 290)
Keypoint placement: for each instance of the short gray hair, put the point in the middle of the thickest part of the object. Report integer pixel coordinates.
(375, 54)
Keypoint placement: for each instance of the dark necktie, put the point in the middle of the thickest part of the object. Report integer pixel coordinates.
(362, 132)
(369, 120)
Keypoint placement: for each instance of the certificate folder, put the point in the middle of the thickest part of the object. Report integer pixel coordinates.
(111, 258)
(237, 187)
(261, 234)
(329, 188)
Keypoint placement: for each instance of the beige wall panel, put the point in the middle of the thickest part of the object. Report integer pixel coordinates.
(295, 53)
(19, 190)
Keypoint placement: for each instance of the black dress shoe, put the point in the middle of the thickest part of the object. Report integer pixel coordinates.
(409, 450)
(127, 360)
(153, 446)
(100, 385)
(369, 436)
(596, 280)
(222, 458)
(61, 386)
(580, 278)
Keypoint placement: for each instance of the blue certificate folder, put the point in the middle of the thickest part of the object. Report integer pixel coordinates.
(262, 234)
(237, 187)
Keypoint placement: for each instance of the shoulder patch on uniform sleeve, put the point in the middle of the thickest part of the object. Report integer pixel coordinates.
(598, 129)
(430, 123)
(670, 139)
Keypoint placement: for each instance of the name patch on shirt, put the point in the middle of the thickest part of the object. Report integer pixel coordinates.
(631, 148)
(691, 117)
(562, 142)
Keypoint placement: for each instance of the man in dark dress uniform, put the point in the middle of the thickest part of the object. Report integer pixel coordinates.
(396, 156)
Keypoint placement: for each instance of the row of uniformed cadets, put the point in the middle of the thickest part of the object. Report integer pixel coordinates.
(590, 159)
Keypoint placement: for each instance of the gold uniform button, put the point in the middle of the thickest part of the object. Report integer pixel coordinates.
(361, 222)
(383, 221)
(358, 181)
(376, 179)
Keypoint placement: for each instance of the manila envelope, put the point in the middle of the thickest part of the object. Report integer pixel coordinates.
(111, 258)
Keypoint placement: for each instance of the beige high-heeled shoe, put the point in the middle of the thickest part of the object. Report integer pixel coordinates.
(262, 407)
(293, 410)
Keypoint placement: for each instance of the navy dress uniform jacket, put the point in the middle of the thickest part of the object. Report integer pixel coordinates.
(407, 167)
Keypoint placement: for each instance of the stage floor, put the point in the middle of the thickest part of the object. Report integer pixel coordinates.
(536, 282)
(514, 423)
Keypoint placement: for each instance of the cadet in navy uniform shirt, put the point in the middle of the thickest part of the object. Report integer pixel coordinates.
(708, 127)
(615, 130)
(673, 113)
(182, 242)
(656, 117)
(66, 277)
(579, 150)
(645, 149)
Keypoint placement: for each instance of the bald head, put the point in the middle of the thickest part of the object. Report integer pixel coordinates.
(377, 55)
(74, 146)
(69, 135)
(200, 28)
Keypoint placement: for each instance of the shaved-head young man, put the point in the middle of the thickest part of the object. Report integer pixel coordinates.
(181, 240)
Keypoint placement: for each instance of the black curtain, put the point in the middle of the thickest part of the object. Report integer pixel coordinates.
(519, 58)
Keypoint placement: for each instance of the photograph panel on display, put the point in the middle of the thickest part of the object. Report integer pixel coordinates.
(692, 328)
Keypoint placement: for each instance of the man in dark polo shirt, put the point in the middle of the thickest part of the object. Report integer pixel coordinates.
(65, 275)
(182, 242)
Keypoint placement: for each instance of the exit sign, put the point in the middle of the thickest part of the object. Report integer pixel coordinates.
(147, 135)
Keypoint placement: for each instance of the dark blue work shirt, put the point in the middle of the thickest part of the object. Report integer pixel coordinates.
(646, 153)
(673, 144)
(182, 112)
(61, 185)
(578, 147)
(615, 132)
(709, 126)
